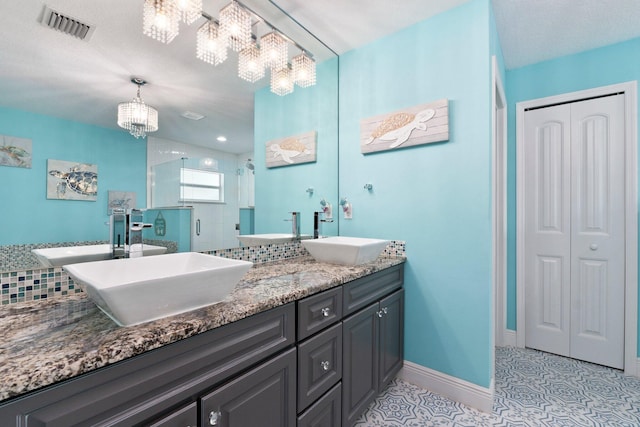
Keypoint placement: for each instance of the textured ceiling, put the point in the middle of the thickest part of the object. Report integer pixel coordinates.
(537, 30)
(47, 72)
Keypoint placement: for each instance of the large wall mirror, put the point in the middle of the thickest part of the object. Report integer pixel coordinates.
(59, 97)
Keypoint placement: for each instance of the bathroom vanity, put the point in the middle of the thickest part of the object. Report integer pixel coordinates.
(298, 343)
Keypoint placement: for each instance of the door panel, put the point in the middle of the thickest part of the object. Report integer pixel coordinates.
(597, 285)
(548, 229)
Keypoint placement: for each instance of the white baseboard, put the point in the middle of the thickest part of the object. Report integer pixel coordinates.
(454, 388)
(509, 338)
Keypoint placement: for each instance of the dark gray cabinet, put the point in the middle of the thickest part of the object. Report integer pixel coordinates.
(264, 397)
(146, 387)
(372, 344)
(247, 373)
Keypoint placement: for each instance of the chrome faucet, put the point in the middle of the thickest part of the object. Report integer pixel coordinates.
(316, 224)
(295, 224)
(126, 231)
(118, 233)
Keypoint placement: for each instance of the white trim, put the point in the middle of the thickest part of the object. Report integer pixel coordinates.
(446, 385)
(499, 202)
(510, 338)
(631, 211)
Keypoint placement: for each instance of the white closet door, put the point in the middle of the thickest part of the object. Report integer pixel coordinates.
(548, 229)
(597, 238)
(574, 230)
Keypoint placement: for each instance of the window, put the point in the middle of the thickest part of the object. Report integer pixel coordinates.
(201, 186)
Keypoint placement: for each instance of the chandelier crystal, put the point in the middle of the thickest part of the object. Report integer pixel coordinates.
(250, 66)
(304, 70)
(189, 10)
(136, 116)
(274, 51)
(160, 20)
(235, 26)
(210, 46)
(282, 81)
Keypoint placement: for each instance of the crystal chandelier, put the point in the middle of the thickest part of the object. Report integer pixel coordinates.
(160, 20)
(235, 26)
(304, 70)
(136, 116)
(189, 10)
(210, 46)
(274, 51)
(282, 81)
(234, 30)
(250, 66)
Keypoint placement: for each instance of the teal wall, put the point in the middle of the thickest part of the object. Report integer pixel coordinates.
(28, 216)
(436, 197)
(613, 64)
(282, 190)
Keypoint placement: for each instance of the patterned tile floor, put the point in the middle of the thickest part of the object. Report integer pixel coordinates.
(532, 389)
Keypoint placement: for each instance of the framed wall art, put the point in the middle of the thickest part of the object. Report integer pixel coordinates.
(292, 150)
(71, 180)
(421, 124)
(16, 152)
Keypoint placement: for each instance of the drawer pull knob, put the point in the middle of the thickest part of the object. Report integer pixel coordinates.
(325, 311)
(380, 313)
(325, 365)
(214, 417)
(384, 310)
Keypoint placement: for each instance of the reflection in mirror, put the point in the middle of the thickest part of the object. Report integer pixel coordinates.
(72, 117)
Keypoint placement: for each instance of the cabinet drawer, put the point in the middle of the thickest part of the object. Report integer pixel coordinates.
(319, 311)
(319, 365)
(184, 417)
(362, 292)
(264, 396)
(325, 412)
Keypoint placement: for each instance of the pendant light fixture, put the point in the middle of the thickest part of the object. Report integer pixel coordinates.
(136, 116)
(210, 45)
(233, 31)
(160, 20)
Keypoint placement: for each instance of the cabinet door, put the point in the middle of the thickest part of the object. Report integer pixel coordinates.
(264, 396)
(359, 363)
(391, 337)
(184, 417)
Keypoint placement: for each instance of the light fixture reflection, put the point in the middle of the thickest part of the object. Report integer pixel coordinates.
(160, 20)
(250, 66)
(136, 116)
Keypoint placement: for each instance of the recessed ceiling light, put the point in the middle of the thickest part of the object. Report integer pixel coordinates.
(222, 138)
(192, 116)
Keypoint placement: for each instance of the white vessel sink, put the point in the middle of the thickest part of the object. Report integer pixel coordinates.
(345, 250)
(57, 257)
(137, 290)
(268, 239)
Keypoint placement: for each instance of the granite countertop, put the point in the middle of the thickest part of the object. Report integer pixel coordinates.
(45, 342)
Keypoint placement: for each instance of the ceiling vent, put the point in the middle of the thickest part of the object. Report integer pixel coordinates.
(66, 24)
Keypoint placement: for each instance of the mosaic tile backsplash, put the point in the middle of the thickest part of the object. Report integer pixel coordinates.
(40, 284)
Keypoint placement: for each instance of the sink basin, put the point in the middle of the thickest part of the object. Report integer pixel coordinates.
(345, 250)
(137, 290)
(268, 239)
(57, 257)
